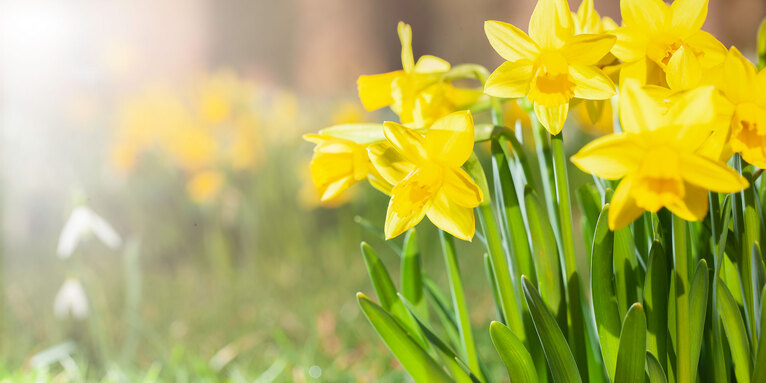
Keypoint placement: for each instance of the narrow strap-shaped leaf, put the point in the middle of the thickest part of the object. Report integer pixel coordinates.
(682, 286)
(589, 200)
(719, 365)
(517, 359)
(413, 358)
(631, 358)
(736, 334)
(443, 310)
(762, 45)
(560, 360)
(759, 369)
(656, 290)
(455, 364)
(757, 277)
(602, 291)
(493, 285)
(548, 265)
(697, 311)
(412, 279)
(654, 369)
(387, 294)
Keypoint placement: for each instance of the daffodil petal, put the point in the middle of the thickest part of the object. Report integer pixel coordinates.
(389, 163)
(760, 83)
(335, 189)
(631, 43)
(694, 205)
(431, 64)
(587, 18)
(451, 217)
(684, 70)
(711, 175)
(552, 118)
(551, 24)
(461, 189)
(405, 37)
(408, 142)
(713, 51)
(694, 114)
(509, 42)
(375, 90)
(510, 80)
(408, 204)
(591, 83)
(623, 209)
(638, 111)
(588, 49)
(649, 14)
(688, 15)
(610, 157)
(450, 139)
(739, 77)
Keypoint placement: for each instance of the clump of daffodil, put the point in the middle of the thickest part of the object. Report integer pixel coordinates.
(663, 44)
(656, 157)
(551, 65)
(339, 163)
(427, 176)
(745, 89)
(417, 92)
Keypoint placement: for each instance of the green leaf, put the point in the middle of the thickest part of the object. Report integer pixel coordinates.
(560, 360)
(697, 312)
(589, 200)
(759, 370)
(412, 279)
(602, 290)
(387, 294)
(517, 359)
(413, 358)
(654, 369)
(736, 333)
(631, 358)
(656, 290)
(757, 277)
(443, 310)
(547, 263)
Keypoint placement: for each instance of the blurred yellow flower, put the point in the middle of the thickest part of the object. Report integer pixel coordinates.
(745, 88)
(657, 157)
(192, 149)
(416, 93)
(551, 65)
(205, 185)
(427, 176)
(663, 44)
(348, 113)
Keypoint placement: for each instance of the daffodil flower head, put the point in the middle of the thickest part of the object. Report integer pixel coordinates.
(664, 44)
(551, 65)
(427, 176)
(416, 93)
(656, 157)
(337, 164)
(745, 88)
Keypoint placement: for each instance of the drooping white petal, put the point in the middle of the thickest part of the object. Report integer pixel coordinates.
(71, 300)
(81, 223)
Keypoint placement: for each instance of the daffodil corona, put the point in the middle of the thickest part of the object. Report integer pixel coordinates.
(656, 157)
(337, 164)
(427, 176)
(551, 65)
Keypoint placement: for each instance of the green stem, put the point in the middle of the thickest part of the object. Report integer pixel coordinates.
(681, 267)
(564, 207)
(458, 301)
(747, 223)
(547, 175)
(508, 303)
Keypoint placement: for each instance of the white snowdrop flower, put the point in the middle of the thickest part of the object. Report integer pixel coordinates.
(71, 300)
(81, 223)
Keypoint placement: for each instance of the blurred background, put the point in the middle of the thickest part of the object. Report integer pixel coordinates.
(179, 124)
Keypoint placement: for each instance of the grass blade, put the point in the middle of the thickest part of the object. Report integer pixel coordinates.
(631, 357)
(517, 359)
(603, 294)
(560, 360)
(410, 354)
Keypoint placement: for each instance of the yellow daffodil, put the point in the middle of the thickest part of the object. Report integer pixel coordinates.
(339, 163)
(657, 158)
(551, 65)
(427, 176)
(745, 88)
(416, 93)
(663, 44)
